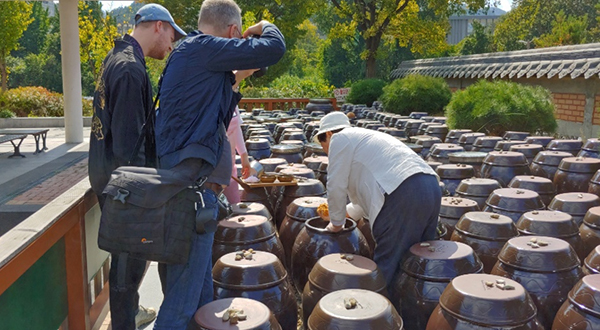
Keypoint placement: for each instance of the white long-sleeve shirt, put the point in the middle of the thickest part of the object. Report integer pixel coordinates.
(363, 166)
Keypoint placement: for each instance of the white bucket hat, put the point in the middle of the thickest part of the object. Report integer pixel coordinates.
(333, 121)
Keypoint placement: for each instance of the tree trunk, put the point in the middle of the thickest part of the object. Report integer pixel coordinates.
(3, 74)
(372, 44)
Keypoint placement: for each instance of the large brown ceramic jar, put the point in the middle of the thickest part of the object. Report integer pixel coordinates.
(576, 204)
(582, 310)
(505, 145)
(452, 209)
(262, 278)
(466, 140)
(553, 224)
(314, 242)
(246, 232)
(546, 267)
(291, 153)
(427, 143)
(294, 136)
(257, 195)
(364, 226)
(529, 150)
(590, 149)
(485, 143)
(313, 162)
(515, 135)
(545, 163)
(481, 301)
(306, 173)
(313, 149)
(258, 148)
(439, 152)
(486, 233)
(594, 187)
(372, 311)
(513, 202)
(543, 186)
(300, 210)
(414, 147)
(323, 105)
(322, 172)
(591, 263)
(574, 174)
(250, 208)
(590, 229)
(305, 188)
(423, 127)
(473, 158)
(258, 316)
(570, 146)
(477, 189)
(335, 272)
(426, 271)
(541, 140)
(289, 166)
(412, 126)
(437, 130)
(452, 174)
(504, 166)
(270, 164)
(454, 135)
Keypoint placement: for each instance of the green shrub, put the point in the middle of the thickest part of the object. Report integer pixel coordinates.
(5, 113)
(495, 107)
(37, 102)
(291, 87)
(366, 91)
(416, 93)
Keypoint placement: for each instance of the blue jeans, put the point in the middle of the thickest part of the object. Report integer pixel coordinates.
(188, 286)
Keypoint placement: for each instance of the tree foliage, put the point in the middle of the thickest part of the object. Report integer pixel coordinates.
(416, 93)
(15, 16)
(33, 39)
(478, 42)
(565, 31)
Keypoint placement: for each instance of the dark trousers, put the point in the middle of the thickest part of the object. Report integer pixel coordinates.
(409, 215)
(124, 279)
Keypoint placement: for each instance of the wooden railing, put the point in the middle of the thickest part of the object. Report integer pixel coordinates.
(52, 274)
(277, 104)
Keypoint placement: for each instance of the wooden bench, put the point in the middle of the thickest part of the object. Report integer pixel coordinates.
(36, 133)
(11, 139)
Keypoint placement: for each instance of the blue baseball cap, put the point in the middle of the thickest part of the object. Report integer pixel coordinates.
(156, 12)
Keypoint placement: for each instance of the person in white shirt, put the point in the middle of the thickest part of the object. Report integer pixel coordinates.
(385, 181)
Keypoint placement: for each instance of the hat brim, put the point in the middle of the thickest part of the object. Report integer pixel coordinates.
(179, 33)
(332, 128)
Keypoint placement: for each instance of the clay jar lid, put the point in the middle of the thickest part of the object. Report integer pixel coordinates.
(443, 149)
(586, 294)
(455, 207)
(373, 311)
(456, 133)
(477, 187)
(437, 129)
(455, 171)
(542, 140)
(244, 229)
(324, 165)
(395, 131)
(506, 144)
(592, 261)
(284, 166)
(304, 208)
(592, 145)
(295, 143)
(433, 164)
(468, 157)
(549, 223)
(550, 158)
(515, 135)
(441, 260)
(295, 135)
(414, 123)
(301, 172)
(469, 138)
(505, 158)
(579, 164)
(592, 217)
(571, 146)
(486, 141)
(286, 149)
(313, 147)
(427, 142)
(487, 225)
(527, 253)
(414, 147)
(246, 208)
(258, 314)
(273, 161)
(574, 203)
(527, 149)
(513, 199)
(471, 297)
(332, 273)
(257, 144)
(262, 271)
(305, 187)
(538, 184)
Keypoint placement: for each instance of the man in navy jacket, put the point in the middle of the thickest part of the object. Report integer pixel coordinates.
(196, 105)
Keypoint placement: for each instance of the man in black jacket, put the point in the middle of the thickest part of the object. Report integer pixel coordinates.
(122, 102)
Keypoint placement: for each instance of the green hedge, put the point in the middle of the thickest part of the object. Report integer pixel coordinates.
(366, 91)
(495, 107)
(416, 93)
(36, 102)
(292, 87)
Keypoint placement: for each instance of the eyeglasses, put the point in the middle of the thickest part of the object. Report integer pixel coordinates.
(237, 29)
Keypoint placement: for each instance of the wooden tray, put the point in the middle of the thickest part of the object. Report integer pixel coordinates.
(250, 185)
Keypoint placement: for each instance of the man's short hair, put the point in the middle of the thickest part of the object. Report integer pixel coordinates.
(220, 14)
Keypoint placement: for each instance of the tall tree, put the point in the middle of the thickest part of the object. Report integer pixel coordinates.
(565, 31)
(478, 42)
(33, 39)
(15, 16)
(372, 19)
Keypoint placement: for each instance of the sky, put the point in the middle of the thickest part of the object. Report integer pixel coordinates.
(109, 5)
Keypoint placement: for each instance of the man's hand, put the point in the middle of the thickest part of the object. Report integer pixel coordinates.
(255, 29)
(241, 75)
(333, 228)
(245, 166)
